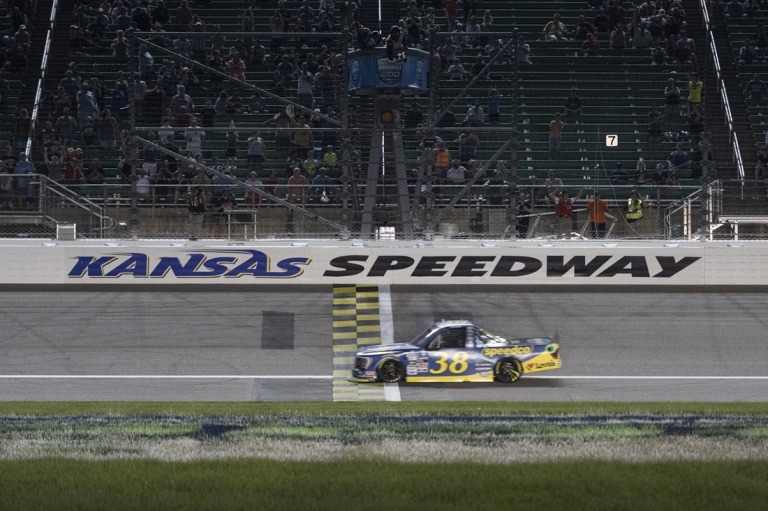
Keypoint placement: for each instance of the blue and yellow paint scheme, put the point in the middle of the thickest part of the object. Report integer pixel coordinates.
(455, 351)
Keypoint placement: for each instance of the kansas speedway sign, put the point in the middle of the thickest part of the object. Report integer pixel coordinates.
(289, 265)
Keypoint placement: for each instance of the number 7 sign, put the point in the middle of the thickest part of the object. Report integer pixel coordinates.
(612, 140)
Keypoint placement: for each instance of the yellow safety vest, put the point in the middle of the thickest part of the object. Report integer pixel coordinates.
(634, 209)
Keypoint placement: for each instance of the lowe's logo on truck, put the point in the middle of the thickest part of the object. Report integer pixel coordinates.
(221, 263)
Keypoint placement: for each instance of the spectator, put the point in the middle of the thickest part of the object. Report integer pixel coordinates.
(442, 160)
(591, 46)
(582, 28)
(257, 151)
(22, 129)
(95, 173)
(655, 121)
(618, 175)
(553, 183)
(468, 143)
(107, 130)
(695, 122)
(330, 160)
(497, 188)
(25, 188)
(597, 208)
(306, 80)
(658, 55)
(681, 53)
(660, 176)
(556, 128)
(634, 207)
(678, 158)
(6, 187)
(413, 117)
(755, 88)
(554, 30)
(232, 137)
(642, 38)
(475, 115)
(456, 71)
(236, 69)
(182, 100)
(195, 137)
(310, 165)
(672, 101)
(524, 210)
(322, 185)
(447, 120)
(564, 211)
(183, 15)
(523, 51)
(303, 138)
(119, 45)
(196, 207)
(457, 173)
(478, 67)
(494, 105)
(640, 177)
(54, 166)
(618, 40)
(762, 162)
(65, 126)
(296, 187)
(573, 106)
(673, 180)
(252, 197)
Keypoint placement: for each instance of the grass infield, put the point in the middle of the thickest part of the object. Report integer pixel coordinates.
(338, 486)
(380, 408)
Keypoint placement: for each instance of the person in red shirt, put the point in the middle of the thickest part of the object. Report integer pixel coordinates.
(564, 210)
(597, 208)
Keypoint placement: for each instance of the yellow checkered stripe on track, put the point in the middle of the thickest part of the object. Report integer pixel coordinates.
(356, 324)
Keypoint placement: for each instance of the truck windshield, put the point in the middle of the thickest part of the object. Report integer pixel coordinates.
(424, 337)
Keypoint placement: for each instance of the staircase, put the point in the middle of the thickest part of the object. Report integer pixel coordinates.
(736, 199)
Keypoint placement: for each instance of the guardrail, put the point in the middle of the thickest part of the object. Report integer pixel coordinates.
(725, 104)
(43, 71)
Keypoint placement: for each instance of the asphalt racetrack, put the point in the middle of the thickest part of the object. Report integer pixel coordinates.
(277, 346)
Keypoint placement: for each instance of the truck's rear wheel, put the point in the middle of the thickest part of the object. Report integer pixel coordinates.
(509, 370)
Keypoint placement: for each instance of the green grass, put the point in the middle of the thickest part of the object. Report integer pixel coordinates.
(362, 408)
(338, 486)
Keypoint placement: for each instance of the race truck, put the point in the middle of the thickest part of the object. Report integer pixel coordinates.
(456, 351)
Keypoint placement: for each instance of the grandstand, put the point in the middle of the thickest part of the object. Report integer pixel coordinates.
(112, 187)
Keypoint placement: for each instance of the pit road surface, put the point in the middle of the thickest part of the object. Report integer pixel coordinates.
(219, 335)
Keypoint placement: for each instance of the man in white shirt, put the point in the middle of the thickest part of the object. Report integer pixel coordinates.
(457, 173)
(257, 151)
(475, 115)
(164, 132)
(195, 136)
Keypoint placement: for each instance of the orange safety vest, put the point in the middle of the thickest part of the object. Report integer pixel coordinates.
(443, 158)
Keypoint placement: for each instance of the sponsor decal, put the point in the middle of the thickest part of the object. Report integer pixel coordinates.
(484, 374)
(543, 365)
(601, 266)
(411, 371)
(220, 263)
(420, 74)
(354, 72)
(388, 72)
(370, 374)
(517, 350)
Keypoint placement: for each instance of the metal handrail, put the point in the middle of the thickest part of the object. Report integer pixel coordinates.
(723, 94)
(43, 71)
